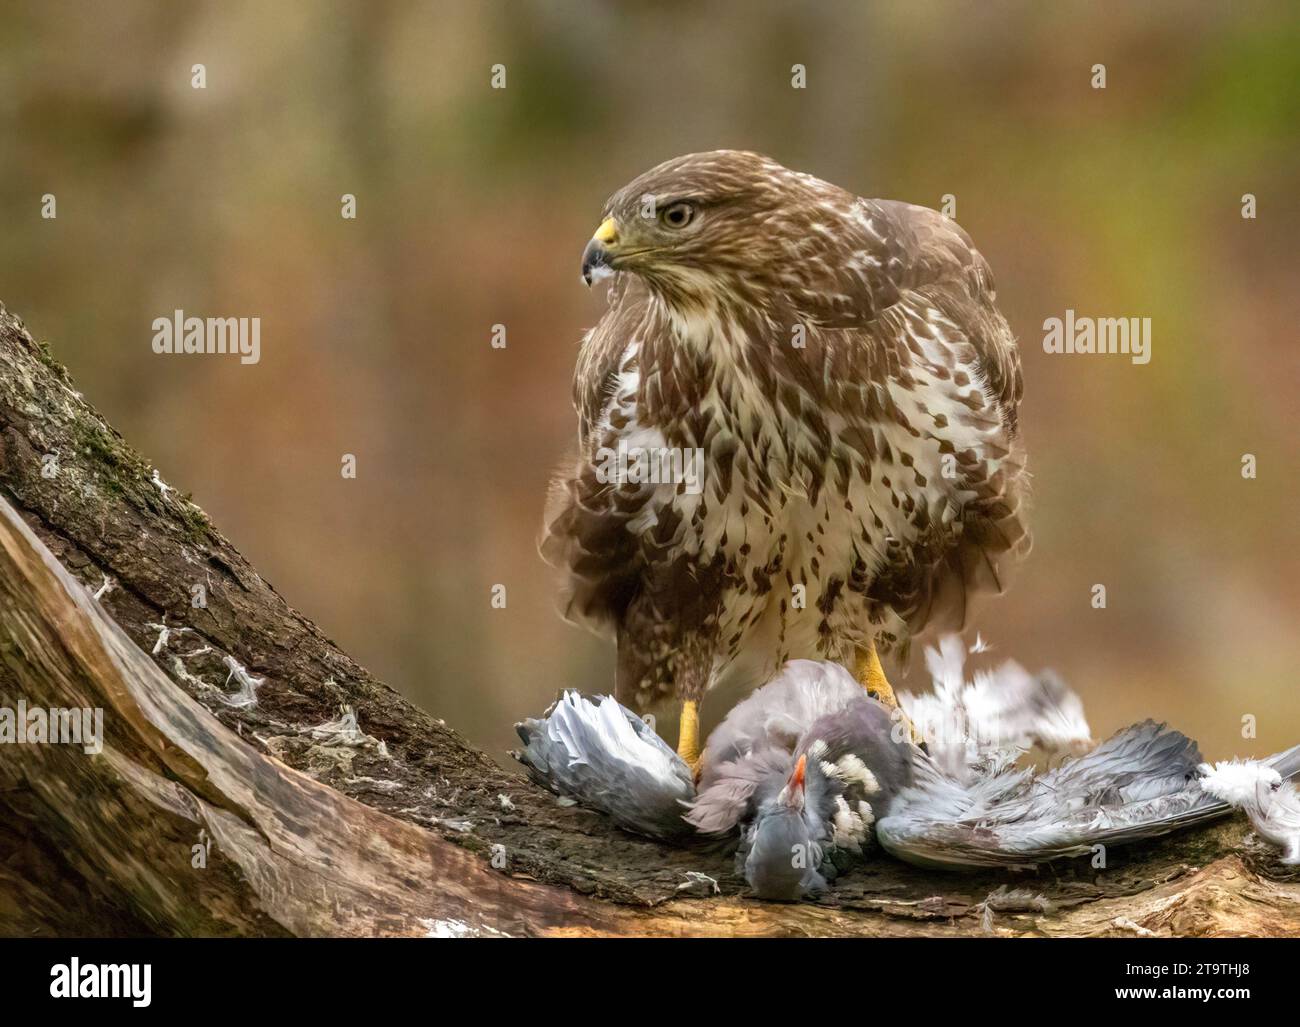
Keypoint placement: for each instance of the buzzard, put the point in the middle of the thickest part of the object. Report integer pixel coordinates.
(837, 370)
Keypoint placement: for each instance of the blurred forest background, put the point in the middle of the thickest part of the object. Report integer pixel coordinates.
(474, 205)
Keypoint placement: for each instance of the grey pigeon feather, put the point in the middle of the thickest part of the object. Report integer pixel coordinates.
(1143, 782)
(810, 763)
(1266, 791)
(811, 707)
(800, 767)
(607, 758)
(971, 806)
(1003, 708)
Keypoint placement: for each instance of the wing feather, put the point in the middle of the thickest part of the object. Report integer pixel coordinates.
(1141, 783)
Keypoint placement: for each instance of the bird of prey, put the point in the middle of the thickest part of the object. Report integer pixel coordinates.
(840, 371)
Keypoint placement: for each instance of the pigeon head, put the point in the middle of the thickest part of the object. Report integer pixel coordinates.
(785, 842)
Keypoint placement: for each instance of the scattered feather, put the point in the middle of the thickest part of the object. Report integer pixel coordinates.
(248, 685)
(1271, 803)
(699, 884)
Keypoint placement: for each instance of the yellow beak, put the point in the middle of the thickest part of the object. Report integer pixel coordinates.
(607, 233)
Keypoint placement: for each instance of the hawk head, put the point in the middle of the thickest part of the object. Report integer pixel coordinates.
(711, 223)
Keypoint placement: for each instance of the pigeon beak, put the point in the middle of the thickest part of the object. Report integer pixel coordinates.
(596, 257)
(795, 786)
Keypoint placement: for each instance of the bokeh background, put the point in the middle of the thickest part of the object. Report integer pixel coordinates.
(474, 205)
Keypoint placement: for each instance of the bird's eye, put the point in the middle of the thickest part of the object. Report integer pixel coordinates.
(677, 215)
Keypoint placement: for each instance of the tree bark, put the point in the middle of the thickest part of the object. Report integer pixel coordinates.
(208, 815)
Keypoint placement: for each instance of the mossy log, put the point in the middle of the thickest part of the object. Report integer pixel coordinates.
(208, 815)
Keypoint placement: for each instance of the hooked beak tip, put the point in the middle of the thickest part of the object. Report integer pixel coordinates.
(596, 257)
(595, 260)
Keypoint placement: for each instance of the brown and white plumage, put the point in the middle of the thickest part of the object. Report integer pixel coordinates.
(854, 390)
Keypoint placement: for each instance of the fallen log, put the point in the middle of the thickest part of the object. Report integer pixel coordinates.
(254, 780)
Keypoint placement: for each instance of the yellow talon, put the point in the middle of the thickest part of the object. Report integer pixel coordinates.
(872, 677)
(688, 736)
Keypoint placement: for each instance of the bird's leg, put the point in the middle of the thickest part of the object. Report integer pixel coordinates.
(688, 735)
(871, 675)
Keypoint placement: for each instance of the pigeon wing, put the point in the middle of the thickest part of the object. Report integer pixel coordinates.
(602, 755)
(1141, 783)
